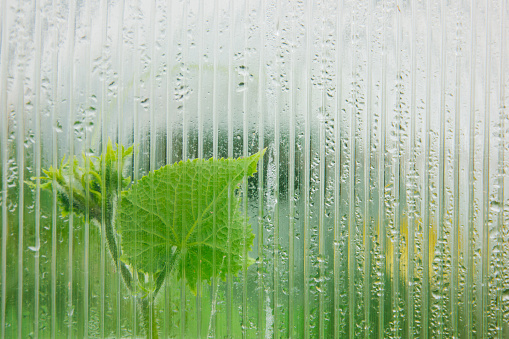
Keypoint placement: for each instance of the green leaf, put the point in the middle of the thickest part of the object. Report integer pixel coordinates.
(87, 181)
(189, 207)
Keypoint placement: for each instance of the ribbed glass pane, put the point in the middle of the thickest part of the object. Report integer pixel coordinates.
(380, 205)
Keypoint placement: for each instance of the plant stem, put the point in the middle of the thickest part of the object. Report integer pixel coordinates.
(148, 311)
(148, 303)
(114, 251)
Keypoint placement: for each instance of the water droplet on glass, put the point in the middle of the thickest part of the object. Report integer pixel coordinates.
(34, 248)
(58, 127)
(241, 87)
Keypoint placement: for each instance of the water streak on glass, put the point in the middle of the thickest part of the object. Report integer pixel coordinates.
(169, 147)
(54, 162)
(19, 117)
(261, 144)
(337, 171)
(120, 134)
(501, 166)
(307, 157)
(486, 224)
(3, 150)
(37, 153)
(367, 222)
(469, 299)
(86, 236)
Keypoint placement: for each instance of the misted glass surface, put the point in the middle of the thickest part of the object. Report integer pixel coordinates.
(254, 169)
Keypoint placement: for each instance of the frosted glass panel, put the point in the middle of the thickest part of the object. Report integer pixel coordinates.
(377, 206)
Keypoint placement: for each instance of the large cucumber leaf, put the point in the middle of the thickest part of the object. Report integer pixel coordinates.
(189, 208)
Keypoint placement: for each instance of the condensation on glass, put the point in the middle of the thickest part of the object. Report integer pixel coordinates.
(380, 208)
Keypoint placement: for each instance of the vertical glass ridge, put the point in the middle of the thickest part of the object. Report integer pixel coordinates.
(4, 151)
